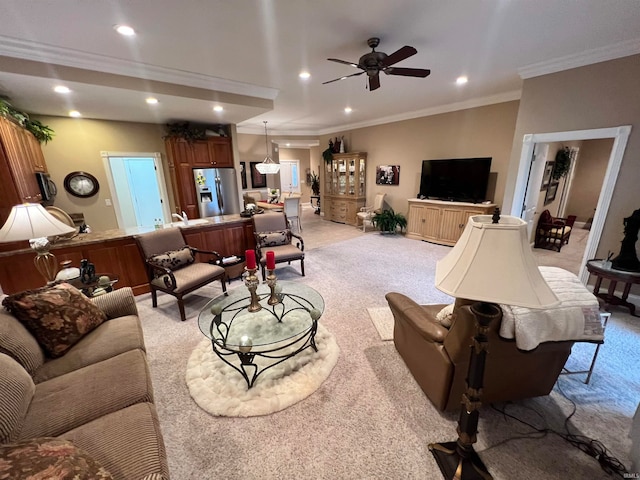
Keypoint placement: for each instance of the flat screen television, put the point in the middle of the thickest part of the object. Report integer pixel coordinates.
(455, 179)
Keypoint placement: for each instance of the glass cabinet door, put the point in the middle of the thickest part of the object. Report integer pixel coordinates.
(352, 177)
(361, 176)
(342, 176)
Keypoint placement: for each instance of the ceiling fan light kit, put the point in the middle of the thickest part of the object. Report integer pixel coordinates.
(375, 62)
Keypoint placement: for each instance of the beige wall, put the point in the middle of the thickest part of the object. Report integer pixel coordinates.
(591, 166)
(77, 145)
(596, 96)
(477, 132)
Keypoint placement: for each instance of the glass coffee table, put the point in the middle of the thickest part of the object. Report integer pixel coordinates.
(253, 342)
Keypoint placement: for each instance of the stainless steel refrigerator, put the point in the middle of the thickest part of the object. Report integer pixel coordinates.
(217, 191)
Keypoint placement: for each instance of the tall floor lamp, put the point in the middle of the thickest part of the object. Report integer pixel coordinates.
(493, 264)
(30, 221)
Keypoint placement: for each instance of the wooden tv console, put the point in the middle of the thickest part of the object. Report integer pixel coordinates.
(440, 221)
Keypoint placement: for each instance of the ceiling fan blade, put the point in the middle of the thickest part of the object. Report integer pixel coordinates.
(342, 78)
(408, 72)
(355, 65)
(374, 83)
(398, 55)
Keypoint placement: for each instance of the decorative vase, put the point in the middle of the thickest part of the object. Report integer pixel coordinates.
(342, 147)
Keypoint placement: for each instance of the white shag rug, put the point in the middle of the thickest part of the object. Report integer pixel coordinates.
(222, 391)
(382, 319)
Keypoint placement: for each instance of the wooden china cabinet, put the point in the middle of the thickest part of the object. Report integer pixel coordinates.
(345, 182)
(183, 156)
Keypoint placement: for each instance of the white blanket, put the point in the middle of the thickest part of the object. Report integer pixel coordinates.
(576, 318)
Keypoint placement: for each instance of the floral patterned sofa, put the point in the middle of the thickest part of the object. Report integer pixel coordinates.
(76, 398)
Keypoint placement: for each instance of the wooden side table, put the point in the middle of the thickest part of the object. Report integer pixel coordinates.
(89, 288)
(596, 268)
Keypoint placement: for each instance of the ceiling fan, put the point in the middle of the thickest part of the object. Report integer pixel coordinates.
(375, 62)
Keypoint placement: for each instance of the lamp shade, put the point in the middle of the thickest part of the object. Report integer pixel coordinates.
(268, 167)
(494, 263)
(31, 220)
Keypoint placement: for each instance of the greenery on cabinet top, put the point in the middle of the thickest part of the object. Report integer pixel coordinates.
(192, 132)
(42, 132)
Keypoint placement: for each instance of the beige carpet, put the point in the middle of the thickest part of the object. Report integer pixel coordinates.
(382, 319)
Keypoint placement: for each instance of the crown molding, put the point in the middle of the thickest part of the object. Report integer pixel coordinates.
(39, 52)
(588, 57)
(451, 107)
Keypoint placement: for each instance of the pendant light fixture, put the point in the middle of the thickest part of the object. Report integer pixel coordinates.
(268, 166)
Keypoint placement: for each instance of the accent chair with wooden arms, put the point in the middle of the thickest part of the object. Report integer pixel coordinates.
(366, 213)
(272, 232)
(172, 267)
(553, 232)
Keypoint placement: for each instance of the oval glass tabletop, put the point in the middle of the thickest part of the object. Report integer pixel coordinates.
(227, 320)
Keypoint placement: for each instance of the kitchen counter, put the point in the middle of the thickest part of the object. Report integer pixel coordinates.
(117, 234)
(116, 251)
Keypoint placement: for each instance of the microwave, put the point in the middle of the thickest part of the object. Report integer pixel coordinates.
(48, 189)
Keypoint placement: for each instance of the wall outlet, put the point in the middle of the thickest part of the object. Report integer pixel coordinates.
(107, 202)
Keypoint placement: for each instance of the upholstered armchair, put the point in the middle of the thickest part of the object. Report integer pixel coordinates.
(366, 213)
(553, 232)
(435, 345)
(272, 232)
(172, 267)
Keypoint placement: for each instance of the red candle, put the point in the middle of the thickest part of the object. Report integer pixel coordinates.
(271, 260)
(250, 257)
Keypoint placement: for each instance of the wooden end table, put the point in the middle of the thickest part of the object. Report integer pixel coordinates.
(614, 276)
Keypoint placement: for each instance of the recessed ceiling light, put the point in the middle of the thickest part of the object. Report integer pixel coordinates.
(288, 144)
(125, 30)
(218, 108)
(304, 75)
(75, 114)
(348, 110)
(151, 100)
(61, 89)
(461, 80)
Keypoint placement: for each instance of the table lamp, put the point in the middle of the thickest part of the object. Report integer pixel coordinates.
(30, 221)
(492, 263)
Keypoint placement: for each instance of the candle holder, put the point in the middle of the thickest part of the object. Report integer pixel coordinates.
(271, 281)
(252, 282)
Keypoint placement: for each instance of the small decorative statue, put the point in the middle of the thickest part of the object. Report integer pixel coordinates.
(628, 258)
(87, 271)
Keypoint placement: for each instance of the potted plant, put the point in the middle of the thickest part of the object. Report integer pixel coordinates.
(42, 133)
(563, 163)
(388, 221)
(315, 183)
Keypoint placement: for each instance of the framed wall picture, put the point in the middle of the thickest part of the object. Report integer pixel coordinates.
(243, 175)
(546, 178)
(551, 193)
(388, 175)
(258, 180)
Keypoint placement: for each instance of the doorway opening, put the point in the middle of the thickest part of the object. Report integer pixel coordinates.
(525, 183)
(138, 186)
(290, 176)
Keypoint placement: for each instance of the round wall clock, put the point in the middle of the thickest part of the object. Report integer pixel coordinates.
(81, 184)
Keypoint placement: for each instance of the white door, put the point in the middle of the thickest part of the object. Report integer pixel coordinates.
(532, 194)
(289, 176)
(137, 183)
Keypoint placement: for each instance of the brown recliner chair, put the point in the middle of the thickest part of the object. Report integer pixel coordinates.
(438, 357)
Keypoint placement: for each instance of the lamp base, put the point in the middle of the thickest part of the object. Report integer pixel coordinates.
(47, 265)
(459, 462)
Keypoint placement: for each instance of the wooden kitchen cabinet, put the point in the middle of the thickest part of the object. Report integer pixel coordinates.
(184, 156)
(20, 158)
(441, 222)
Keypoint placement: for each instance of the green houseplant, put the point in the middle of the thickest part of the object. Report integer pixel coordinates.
(388, 221)
(42, 133)
(315, 183)
(563, 163)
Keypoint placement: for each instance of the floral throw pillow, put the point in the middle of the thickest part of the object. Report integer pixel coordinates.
(57, 315)
(174, 259)
(49, 458)
(274, 239)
